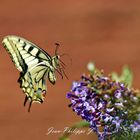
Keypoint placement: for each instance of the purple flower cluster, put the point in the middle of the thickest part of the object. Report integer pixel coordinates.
(106, 104)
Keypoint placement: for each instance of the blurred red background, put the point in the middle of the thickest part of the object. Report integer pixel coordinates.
(106, 32)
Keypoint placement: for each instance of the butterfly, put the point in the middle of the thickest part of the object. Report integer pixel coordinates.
(34, 65)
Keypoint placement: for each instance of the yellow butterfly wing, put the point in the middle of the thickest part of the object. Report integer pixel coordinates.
(34, 65)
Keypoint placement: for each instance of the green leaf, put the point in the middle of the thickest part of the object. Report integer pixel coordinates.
(115, 76)
(126, 76)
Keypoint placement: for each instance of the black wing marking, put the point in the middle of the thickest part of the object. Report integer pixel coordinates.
(24, 54)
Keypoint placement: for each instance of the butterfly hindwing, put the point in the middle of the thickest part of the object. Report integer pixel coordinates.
(33, 84)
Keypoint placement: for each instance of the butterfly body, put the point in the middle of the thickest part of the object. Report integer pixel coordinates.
(34, 65)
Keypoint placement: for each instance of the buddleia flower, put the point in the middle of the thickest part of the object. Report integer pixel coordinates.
(111, 107)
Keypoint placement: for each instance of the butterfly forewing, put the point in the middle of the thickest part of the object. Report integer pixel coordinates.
(34, 65)
(24, 53)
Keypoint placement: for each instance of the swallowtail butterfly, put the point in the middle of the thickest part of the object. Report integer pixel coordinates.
(34, 65)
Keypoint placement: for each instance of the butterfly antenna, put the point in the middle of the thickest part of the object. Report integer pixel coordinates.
(25, 101)
(57, 46)
(61, 69)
